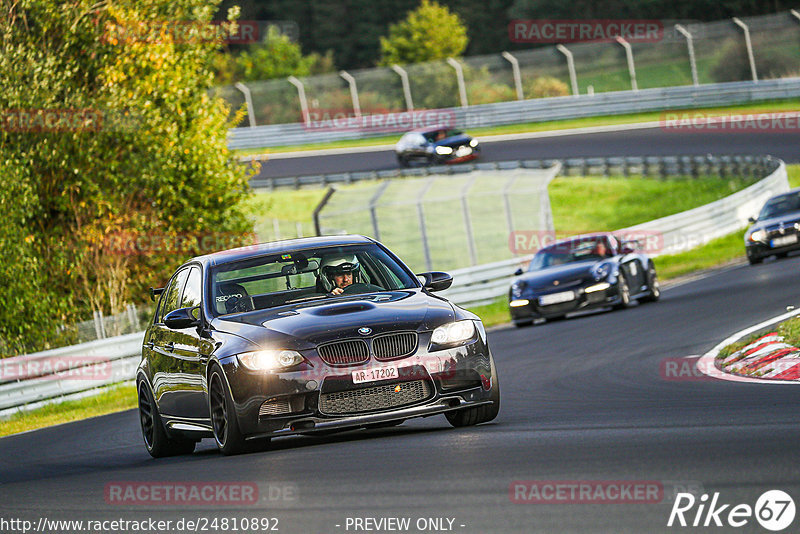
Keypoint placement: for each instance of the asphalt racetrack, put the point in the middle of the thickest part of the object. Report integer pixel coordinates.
(583, 399)
(639, 142)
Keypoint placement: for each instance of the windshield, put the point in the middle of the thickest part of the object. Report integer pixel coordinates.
(281, 279)
(780, 205)
(589, 249)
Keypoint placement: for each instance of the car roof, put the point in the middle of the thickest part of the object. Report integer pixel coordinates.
(429, 129)
(585, 237)
(786, 193)
(278, 247)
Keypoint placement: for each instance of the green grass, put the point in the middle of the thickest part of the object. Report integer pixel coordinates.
(762, 107)
(115, 399)
(593, 204)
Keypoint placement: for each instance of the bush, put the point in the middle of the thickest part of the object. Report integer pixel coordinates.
(733, 65)
(546, 86)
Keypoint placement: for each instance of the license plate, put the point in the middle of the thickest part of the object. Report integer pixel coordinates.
(385, 372)
(783, 241)
(463, 151)
(556, 298)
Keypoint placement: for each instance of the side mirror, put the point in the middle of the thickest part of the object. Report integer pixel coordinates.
(751, 220)
(182, 318)
(435, 280)
(518, 272)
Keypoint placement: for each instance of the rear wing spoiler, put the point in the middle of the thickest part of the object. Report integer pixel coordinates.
(155, 291)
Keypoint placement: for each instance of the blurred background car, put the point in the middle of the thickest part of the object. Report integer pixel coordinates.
(436, 144)
(775, 230)
(582, 273)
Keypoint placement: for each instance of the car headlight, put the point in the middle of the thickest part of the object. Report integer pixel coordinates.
(444, 150)
(602, 286)
(758, 235)
(453, 332)
(269, 360)
(473, 143)
(601, 271)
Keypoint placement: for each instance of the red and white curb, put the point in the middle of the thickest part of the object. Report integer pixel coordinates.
(778, 362)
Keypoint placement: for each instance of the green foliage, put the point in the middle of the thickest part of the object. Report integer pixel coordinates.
(430, 32)
(151, 161)
(733, 65)
(276, 57)
(545, 86)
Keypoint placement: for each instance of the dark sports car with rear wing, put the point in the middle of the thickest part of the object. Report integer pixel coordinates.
(303, 336)
(581, 273)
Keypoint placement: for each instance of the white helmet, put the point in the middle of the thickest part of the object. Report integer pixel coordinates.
(339, 264)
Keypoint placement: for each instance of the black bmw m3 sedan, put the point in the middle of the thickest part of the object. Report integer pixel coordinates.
(304, 336)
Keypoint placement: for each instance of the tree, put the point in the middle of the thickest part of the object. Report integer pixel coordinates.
(112, 152)
(430, 32)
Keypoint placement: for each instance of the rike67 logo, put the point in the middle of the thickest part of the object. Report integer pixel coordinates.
(774, 510)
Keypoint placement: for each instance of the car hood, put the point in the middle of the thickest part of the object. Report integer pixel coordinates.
(308, 324)
(454, 141)
(787, 218)
(567, 275)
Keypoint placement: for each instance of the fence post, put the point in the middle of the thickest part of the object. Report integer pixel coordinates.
(462, 88)
(517, 76)
(373, 203)
(406, 86)
(353, 91)
(573, 77)
(319, 208)
(426, 250)
(631, 67)
(301, 94)
(749, 45)
(507, 204)
(247, 98)
(276, 228)
(473, 254)
(690, 45)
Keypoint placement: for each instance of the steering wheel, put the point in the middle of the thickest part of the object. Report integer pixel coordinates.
(360, 288)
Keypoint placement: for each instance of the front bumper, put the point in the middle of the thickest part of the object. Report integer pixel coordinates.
(582, 301)
(757, 250)
(449, 379)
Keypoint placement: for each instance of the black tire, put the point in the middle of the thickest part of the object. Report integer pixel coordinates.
(556, 318)
(227, 435)
(403, 161)
(624, 294)
(781, 255)
(478, 414)
(755, 261)
(155, 437)
(524, 322)
(652, 283)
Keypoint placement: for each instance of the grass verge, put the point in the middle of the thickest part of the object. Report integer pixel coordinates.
(567, 124)
(115, 399)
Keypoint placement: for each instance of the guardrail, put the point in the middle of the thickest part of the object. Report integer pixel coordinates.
(661, 166)
(28, 381)
(31, 380)
(533, 110)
